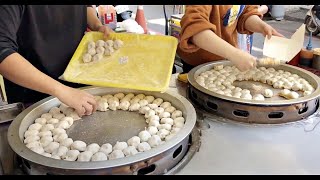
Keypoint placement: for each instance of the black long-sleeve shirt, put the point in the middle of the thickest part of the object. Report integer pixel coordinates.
(46, 35)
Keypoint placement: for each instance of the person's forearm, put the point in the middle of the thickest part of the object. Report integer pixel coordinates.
(92, 19)
(210, 42)
(18, 70)
(254, 24)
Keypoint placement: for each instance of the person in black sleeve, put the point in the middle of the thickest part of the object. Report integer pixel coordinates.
(36, 45)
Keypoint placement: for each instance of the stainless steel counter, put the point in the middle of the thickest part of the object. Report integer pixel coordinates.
(234, 148)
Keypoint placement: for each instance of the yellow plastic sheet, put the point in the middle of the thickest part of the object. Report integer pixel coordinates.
(148, 67)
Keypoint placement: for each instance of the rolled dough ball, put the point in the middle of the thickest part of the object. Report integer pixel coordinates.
(124, 105)
(144, 109)
(144, 135)
(87, 58)
(164, 115)
(106, 148)
(164, 126)
(57, 131)
(35, 126)
(120, 146)
(100, 50)
(85, 156)
(100, 43)
(153, 106)
(61, 151)
(176, 113)
(33, 144)
(119, 95)
(107, 96)
(79, 145)
(149, 113)
(108, 51)
(94, 148)
(154, 123)
(102, 105)
(134, 141)
(97, 57)
(63, 107)
(91, 44)
(144, 146)
(74, 116)
(293, 95)
(71, 155)
(152, 130)
(30, 139)
(162, 133)
(171, 109)
(154, 141)
(66, 142)
(41, 121)
(129, 96)
(108, 43)
(68, 119)
(158, 101)
(134, 107)
(179, 120)
(150, 99)
(31, 133)
(159, 110)
(258, 97)
(268, 93)
(46, 140)
(154, 118)
(134, 100)
(164, 105)
(117, 44)
(246, 96)
(45, 133)
(92, 51)
(58, 116)
(53, 121)
(167, 121)
(51, 147)
(140, 96)
(116, 154)
(60, 137)
(297, 86)
(130, 151)
(99, 156)
(62, 124)
(47, 127)
(113, 103)
(47, 116)
(143, 103)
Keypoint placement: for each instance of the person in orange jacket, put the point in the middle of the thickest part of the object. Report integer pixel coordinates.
(209, 33)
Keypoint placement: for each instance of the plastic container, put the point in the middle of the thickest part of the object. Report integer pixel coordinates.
(108, 16)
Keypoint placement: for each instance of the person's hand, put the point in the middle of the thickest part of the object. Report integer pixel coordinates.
(83, 102)
(269, 31)
(243, 60)
(105, 30)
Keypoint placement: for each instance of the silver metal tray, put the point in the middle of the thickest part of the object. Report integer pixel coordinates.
(101, 127)
(310, 77)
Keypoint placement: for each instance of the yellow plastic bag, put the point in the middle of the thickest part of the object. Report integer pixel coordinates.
(148, 67)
